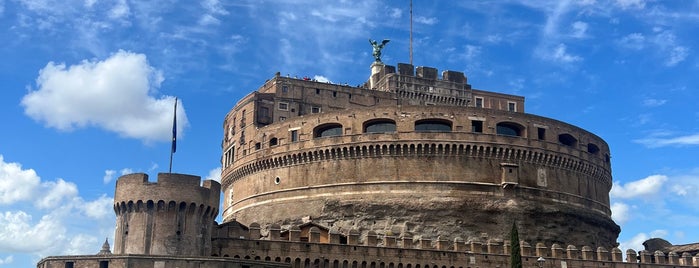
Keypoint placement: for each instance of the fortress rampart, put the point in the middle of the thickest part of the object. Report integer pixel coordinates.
(158, 217)
(388, 251)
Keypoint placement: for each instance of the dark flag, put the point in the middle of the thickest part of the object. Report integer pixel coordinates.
(174, 129)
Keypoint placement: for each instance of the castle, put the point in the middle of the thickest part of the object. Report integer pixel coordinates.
(408, 170)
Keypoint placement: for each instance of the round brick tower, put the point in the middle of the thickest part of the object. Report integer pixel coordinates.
(173, 216)
(414, 154)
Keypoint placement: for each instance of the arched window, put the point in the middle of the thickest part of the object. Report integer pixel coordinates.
(327, 130)
(592, 148)
(509, 129)
(433, 125)
(380, 126)
(567, 139)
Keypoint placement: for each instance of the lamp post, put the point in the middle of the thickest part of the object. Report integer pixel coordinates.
(540, 261)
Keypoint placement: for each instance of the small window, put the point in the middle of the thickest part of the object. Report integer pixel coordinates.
(315, 109)
(258, 146)
(317, 90)
(285, 89)
(380, 126)
(509, 129)
(327, 130)
(477, 126)
(282, 118)
(334, 94)
(350, 96)
(567, 139)
(541, 133)
(433, 125)
(479, 102)
(294, 135)
(284, 106)
(69, 264)
(104, 264)
(511, 106)
(273, 142)
(592, 148)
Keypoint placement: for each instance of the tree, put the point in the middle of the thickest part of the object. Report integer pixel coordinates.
(515, 252)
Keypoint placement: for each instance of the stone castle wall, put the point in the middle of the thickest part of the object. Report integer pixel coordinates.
(430, 182)
(399, 252)
(173, 216)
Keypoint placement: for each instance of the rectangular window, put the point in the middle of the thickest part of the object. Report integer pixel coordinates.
(334, 94)
(294, 135)
(282, 118)
(477, 126)
(511, 106)
(315, 109)
(258, 146)
(541, 133)
(69, 264)
(284, 106)
(285, 89)
(479, 102)
(317, 90)
(104, 264)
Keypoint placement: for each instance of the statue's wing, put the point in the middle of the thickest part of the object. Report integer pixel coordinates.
(385, 41)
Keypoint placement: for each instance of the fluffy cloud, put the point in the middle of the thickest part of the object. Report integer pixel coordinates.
(16, 184)
(114, 94)
(108, 176)
(214, 174)
(620, 213)
(57, 207)
(641, 188)
(579, 29)
(560, 54)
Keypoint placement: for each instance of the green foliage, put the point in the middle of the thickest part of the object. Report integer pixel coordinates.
(515, 251)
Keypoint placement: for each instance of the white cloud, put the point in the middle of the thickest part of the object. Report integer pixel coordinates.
(120, 10)
(677, 55)
(561, 55)
(99, 208)
(208, 20)
(579, 29)
(108, 176)
(17, 227)
(631, 4)
(654, 142)
(113, 94)
(214, 174)
(55, 193)
(635, 243)
(16, 184)
(395, 13)
(635, 41)
(620, 213)
(321, 78)
(472, 52)
(8, 259)
(653, 102)
(425, 20)
(125, 171)
(56, 224)
(214, 7)
(641, 188)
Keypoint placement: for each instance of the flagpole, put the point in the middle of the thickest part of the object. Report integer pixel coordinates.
(174, 135)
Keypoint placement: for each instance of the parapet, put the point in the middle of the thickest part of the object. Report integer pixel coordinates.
(169, 187)
(495, 247)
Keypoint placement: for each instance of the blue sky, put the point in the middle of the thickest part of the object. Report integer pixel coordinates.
(88, 86)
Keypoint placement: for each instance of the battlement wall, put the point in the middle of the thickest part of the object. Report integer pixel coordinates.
(408, 251)
(169, 187)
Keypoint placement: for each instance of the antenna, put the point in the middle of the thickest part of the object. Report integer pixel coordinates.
(411, 32)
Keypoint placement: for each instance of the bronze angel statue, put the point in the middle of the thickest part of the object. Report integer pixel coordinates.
(377, 48)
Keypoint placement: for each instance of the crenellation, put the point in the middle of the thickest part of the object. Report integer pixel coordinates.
(587, 253)
(645, 256)
(603, 254)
